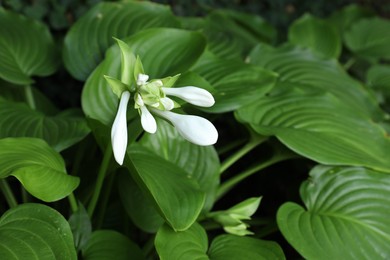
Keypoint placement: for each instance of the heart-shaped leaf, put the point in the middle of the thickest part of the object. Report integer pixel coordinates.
(164, 52)
(319, 126)
(189, 244)
(89, 37)
(37, 166)
(316, 34)
(109, 244)
(369, 38)
(60, 131)
(230, 247)
(347, 215)
(81, 227)
(26, 49)
(378, 77)
(177, 197)
(35, 231)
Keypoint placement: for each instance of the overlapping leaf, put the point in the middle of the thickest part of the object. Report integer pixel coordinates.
(26, 49)
(89, 37)
(60, 131)
(109, 244)
(369, 38)
(164, 52)
(346, 215)
(316, 34)
(37, 166)
(35, 231)
(193, 244)
(177, 197)
(235, 83)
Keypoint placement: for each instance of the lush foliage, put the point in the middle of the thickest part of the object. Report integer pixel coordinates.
(312, 110)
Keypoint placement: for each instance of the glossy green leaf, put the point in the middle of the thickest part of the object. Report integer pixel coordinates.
(164, 52)
(230, 247)
(91, 35)
(346, 215)
(109, 244)
(81, 227)
(37, 166)
(316, 34)
(59, 131)
(189, 244)
(26, 49)
(200, 163)
(35, 231)
(369, 38)
(232, 34)
(235, 83)
(138, 205)
(320, 127)
(296, 65)
(177, 197)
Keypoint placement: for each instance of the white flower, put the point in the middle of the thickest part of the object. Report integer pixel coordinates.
(195, 129)
(196, 96)
(119, 129)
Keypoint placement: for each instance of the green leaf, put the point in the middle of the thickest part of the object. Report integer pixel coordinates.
(109, 244)
(37, 166)
(59, 131)
(320, 127)
(346, 215)
(87, 40)
(35, 231)
(235, 83)
(177, 197)
(189, 244)
(226, 247)
(26, 49)
(231, 34)
(164, 52)
(369, 38)
(316, 34)
(296, 65)
(200, 163)
(138, 205)
(378, 77)
(81, 227)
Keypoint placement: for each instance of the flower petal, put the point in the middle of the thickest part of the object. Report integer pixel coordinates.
(167, 103)
(142, 79)
(119, 129)
(196, 96)
(147, 120)
(195, 129)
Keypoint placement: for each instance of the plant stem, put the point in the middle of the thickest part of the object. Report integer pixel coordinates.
(104, 203)
(349, 63)
(254, 141)
(9, 196)
(29, 97)
(229, 184)
(73, 203)
(100, 179)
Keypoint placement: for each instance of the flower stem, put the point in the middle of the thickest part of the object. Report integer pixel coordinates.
(254, 141)
(29, 97)
(100, 179)
(105, 200)
(9, 196)
(232, 182)
(73, 203)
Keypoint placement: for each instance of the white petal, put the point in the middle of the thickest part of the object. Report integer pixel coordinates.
(147, 120)
(142, 79)
(196, 96)
(119, 129)
(139, 100)
(167, 103)
(195, 129)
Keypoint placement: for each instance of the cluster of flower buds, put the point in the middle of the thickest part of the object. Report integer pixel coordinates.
(152, 98)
